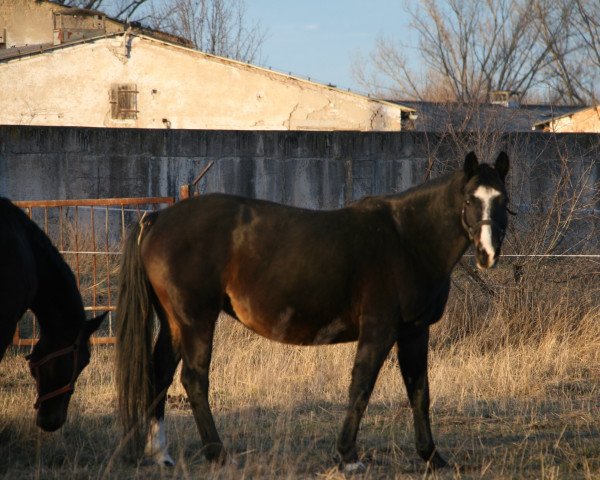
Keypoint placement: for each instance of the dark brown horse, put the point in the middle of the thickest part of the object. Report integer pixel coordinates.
(34, 275)
(376, 272)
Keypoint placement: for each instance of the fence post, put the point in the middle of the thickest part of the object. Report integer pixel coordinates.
(184, 192)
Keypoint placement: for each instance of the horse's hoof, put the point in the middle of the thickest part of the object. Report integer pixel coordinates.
(217, 454)
(163, 459)
(229, 461)
(436, 462)
(353, 468)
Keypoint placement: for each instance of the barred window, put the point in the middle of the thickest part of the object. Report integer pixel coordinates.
(123, 101)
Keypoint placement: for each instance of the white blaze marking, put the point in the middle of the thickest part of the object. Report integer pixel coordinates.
(486, 195)
(156, 444)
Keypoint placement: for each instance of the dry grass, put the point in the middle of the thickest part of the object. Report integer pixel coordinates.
(514, 395)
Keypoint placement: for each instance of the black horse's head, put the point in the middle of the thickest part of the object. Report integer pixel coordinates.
(484, 211)
(55, 367)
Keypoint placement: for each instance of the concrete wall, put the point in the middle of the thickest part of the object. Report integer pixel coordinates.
(177, 88)
(308, 169)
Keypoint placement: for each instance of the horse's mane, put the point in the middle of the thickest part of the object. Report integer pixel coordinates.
(11, 214)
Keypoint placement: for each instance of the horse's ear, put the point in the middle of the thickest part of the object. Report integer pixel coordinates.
(90, 326)
(502, 165)
(471, 164)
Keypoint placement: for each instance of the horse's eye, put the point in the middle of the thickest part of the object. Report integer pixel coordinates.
(467, 202)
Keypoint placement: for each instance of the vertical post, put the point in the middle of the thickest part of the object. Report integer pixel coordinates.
(184, 192)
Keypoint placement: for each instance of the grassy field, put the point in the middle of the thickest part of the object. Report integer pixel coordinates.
(515, 394)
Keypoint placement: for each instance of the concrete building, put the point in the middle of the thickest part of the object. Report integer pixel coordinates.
(585, 120)
(40, 23)
(70, 67)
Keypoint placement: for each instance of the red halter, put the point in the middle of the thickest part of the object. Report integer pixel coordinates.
(34, 368)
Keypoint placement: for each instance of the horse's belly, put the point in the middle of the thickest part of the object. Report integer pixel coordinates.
(287, 326)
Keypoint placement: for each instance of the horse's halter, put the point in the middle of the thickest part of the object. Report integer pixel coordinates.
(34, 368)
(473, 229)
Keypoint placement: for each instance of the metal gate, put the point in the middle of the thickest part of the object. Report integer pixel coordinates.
(90, 235)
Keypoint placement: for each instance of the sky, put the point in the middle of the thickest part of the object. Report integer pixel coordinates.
(320, 38)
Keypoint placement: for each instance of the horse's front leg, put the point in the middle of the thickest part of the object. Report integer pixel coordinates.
(374, 344)
(412, 357)
(165, 361)
(197, 351)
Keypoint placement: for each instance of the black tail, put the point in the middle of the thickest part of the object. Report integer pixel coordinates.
(134, 331)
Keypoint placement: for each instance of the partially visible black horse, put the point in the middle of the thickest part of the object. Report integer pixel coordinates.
(377, 271)
(33, 275)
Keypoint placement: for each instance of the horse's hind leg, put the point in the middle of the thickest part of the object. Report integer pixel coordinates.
(412, 357)
(165, 360)
(197, 352)
(374, 345)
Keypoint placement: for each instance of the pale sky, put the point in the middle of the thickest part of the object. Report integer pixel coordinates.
(320, 38)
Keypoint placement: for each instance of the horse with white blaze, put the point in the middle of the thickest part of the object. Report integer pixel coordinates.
(376, 272)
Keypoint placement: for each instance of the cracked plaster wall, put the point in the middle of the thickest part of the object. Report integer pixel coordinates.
(179, 88)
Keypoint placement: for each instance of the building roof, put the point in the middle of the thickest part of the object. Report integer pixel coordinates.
(439, 117)
(546, 122)
(16, 52)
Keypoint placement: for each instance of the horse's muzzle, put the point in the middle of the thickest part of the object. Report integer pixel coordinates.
(51, 419)
(484, 260)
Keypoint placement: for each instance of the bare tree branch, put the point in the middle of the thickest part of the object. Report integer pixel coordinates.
(218, 27)
(473, 47)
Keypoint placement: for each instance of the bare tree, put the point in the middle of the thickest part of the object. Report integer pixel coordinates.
(586, 25)
(119, 9)
(474, 46)
(470, 48)
(564, 72)
(218, 27)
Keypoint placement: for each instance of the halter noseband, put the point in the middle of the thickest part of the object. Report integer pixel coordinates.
(34, 368)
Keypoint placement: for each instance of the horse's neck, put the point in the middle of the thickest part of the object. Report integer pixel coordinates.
(57, 303)
(429, 221)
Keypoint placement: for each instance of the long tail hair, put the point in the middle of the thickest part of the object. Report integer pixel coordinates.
(134, 332)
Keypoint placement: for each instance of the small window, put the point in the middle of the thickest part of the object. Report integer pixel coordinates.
(123, 101)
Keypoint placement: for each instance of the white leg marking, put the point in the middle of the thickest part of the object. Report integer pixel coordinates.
(486, 195)
(354, 467)
(156, 444)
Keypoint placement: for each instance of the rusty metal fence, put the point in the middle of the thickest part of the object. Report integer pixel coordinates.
(90, 235)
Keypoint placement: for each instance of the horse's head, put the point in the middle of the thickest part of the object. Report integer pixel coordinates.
(484, 211)
(55, 368)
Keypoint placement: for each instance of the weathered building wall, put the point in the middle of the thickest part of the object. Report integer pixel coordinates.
(26, 22)
(308, 169)
(587, 120)
(176, 88)
(30, 22)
